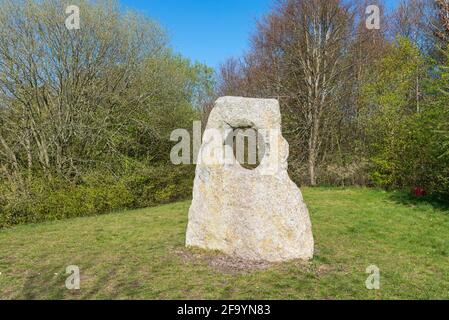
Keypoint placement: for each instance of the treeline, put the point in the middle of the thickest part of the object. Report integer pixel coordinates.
(360, 106)
(86, 115)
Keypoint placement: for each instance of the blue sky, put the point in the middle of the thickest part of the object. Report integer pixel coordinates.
(208, 31)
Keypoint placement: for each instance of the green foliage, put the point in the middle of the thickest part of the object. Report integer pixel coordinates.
(162, 184)
(101, 192)
(86, 129)
(63, 201)
(405, 115)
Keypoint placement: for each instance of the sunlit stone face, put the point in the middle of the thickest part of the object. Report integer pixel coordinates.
(247, 205)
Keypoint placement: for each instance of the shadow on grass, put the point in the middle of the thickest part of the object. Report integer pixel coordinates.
(46, 284)
(50, 284)
(405, 198)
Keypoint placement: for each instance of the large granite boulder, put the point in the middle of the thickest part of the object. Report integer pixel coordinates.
(255, 214)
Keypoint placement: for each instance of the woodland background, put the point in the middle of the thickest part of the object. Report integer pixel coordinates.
(86, 115)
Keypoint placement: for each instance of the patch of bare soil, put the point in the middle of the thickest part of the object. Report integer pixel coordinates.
(222, 262)
(324, 269)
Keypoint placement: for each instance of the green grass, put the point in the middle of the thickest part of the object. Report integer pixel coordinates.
(140, 255)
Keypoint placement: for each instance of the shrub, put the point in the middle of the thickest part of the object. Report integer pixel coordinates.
(98, 193)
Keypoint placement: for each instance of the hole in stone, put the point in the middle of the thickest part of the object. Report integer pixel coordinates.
(248, 146)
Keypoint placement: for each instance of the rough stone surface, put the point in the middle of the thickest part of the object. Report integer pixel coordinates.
(252, 214)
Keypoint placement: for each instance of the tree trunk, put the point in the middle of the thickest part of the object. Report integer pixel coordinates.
(311, 164)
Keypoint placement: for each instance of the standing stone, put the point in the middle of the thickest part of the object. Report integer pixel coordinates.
(255, 214)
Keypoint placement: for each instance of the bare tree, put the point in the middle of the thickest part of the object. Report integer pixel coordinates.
(303, 44)
(416, 20)
(443, 32)
(62, 91)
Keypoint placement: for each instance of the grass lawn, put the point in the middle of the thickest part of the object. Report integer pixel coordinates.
(140, 254)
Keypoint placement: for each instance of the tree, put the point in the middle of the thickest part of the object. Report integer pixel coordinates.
(443, 14)
(391, 113)
(352, 99)
(74, 100)
(298, 56)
